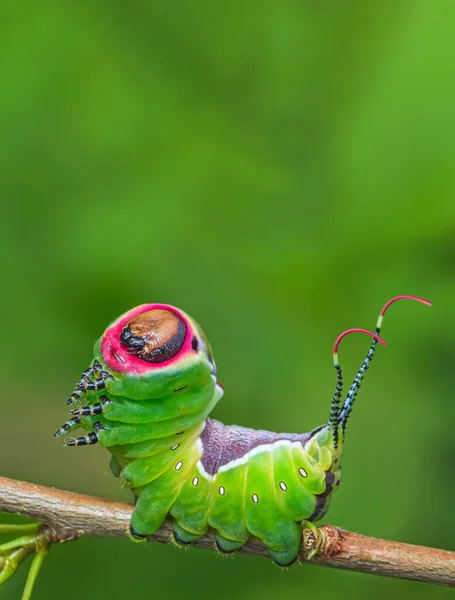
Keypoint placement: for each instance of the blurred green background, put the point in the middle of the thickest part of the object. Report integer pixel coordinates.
(277, 169)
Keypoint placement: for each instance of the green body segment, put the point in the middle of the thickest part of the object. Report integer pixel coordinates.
(179, 462)
(158, 451)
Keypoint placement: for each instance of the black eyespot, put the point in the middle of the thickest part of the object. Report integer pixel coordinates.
(194, 344)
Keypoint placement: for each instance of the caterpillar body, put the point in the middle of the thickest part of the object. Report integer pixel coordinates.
(147, 397)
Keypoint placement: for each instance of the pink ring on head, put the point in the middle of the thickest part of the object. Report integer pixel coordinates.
(119, 359)
(355, 330)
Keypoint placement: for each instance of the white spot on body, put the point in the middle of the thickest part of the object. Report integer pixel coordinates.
(255, 498)
(221, 490)
(175, 447)
(179, 465)
(302, 472)
(283, 486)
(195, 481)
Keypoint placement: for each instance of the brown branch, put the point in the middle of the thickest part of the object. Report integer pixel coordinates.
(69, 516)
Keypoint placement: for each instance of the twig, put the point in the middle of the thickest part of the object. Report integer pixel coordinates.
(69, 516)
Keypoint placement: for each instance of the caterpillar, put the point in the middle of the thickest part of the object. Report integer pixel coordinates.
(147, 397)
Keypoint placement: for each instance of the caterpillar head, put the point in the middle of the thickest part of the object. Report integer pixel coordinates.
(153, 350)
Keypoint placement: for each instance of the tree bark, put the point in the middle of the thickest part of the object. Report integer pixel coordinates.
(69, 516)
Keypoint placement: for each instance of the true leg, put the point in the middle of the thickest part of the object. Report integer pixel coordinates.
(70, 425)
(87, 384)
(94, 409)
(87, 440)
(94, 386)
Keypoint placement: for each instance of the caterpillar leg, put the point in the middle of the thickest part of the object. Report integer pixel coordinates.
(182, 536)
(87, 384)
(283, 559)
(84, 380)
(70, 425)
(86, 440)
(135, 536)
(227, 546)
(94, 409)
(75, 397)
(95, 385)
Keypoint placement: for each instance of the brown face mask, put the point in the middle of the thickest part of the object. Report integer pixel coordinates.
(155, 336)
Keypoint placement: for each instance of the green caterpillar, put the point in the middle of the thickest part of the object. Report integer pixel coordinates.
(148, 394)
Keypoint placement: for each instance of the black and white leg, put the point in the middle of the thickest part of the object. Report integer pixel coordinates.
(86, 382)
(94, 409)
(70, 425)
(86, 440)
(75, 397)
(97, 384)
